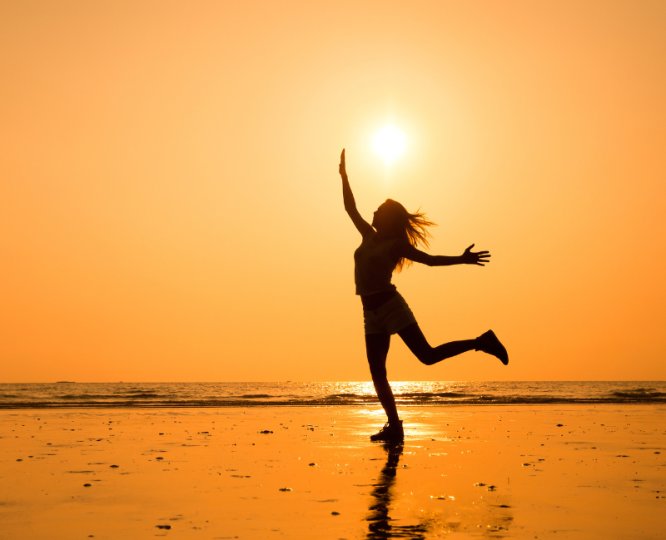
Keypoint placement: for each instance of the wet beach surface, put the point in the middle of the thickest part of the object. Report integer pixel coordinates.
(549, 471)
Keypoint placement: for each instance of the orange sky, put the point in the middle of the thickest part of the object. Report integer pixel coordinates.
(170, 208)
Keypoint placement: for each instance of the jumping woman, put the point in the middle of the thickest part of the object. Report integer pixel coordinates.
(389, 245)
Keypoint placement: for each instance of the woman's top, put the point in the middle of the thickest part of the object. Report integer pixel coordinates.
(374, 266)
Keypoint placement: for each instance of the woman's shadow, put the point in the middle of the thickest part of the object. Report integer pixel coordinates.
(380, 522)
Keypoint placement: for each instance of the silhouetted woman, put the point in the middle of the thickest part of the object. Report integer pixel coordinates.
(390, 244)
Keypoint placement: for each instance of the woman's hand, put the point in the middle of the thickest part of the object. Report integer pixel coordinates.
(480, 258)
(343, 165)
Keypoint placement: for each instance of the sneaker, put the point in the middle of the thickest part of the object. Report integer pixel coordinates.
(488, 343)
(389, 433)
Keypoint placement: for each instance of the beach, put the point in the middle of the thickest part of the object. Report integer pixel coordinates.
(234, 234)
(504, 471)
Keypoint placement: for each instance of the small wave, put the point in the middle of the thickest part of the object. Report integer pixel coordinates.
(529, 400)
(349, 398)
(144, 395)
(430, 395)
(254, 396)
(131, 393)
(639, 393)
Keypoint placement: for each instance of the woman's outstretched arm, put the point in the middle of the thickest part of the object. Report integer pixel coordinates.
(350, 204)
(407, 251)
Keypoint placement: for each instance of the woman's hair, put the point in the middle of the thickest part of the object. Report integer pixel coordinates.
(409, 227)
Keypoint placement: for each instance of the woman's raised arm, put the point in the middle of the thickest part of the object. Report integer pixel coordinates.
(350, 204)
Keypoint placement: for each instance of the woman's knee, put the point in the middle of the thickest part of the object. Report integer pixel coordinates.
(418, 344)
(426, 356)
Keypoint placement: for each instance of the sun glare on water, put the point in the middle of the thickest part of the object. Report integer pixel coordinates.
(389, 143)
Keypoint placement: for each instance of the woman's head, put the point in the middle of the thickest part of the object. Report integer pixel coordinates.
(393, 220)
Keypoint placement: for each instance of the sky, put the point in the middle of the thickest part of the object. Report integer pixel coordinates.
(171, 209)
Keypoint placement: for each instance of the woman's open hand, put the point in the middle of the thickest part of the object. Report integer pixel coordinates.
(480, 258)
(343, 165)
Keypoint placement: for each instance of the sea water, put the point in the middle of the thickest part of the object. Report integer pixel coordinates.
(66, 394)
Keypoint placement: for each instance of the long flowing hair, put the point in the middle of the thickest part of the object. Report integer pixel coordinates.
(409, 227)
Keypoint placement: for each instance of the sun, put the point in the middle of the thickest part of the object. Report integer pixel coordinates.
(389, 143)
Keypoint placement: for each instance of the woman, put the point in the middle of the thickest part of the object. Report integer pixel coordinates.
(390, 244)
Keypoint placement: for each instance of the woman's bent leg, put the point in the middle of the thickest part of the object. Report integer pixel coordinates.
(417, 343)
(377, 347)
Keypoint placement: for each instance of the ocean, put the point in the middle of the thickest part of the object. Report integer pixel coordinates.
(66, 394)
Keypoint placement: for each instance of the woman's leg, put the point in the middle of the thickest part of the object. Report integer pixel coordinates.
(377, 347)
(417, 343)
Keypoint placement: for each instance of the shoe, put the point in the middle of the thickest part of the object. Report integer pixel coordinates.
(390, 433)
(488, 343)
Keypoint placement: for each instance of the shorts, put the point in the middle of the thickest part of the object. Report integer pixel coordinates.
(390, 318)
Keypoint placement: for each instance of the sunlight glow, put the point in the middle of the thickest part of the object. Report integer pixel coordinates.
(389, 143)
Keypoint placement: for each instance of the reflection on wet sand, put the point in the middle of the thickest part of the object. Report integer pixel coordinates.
(477, 515)
(378, 516)
(469, 472)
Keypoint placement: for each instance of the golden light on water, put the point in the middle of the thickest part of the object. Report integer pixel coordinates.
(389, 143)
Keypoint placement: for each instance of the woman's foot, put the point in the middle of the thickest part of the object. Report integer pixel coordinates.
(488, 343)
(390, 433)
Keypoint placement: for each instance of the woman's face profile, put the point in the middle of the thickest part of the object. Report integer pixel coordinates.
(381, 219)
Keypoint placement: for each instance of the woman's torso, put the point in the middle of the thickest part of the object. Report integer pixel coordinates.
(373, 269)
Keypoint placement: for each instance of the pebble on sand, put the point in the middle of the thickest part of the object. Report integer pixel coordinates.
(286, 489)
(265, 431)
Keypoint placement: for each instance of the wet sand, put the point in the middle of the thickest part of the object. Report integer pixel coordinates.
(575, 471)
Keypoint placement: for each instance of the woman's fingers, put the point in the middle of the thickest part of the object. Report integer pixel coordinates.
(482, 258)
(479, 258)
